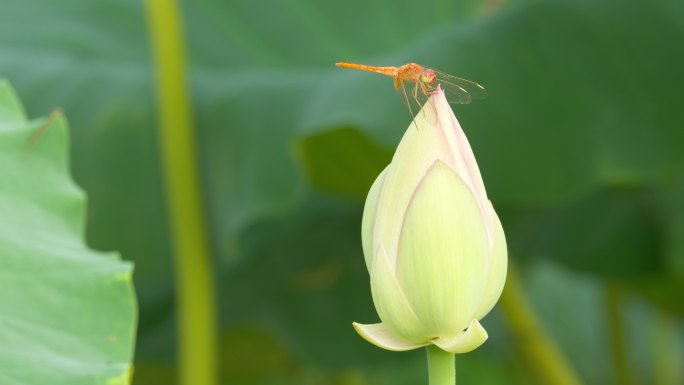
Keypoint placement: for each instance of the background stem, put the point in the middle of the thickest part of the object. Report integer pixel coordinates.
(616, 334)
(195, 289)
(536, 346)
(667, 348)
(441, 367)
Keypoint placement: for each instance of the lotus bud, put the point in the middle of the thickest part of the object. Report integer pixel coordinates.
(433, 245)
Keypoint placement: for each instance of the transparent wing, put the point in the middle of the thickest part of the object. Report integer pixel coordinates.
(459, 90)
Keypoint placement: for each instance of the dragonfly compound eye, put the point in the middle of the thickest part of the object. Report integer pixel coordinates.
(429, 76)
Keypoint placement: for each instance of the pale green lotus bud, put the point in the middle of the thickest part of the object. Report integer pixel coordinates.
(433, 245)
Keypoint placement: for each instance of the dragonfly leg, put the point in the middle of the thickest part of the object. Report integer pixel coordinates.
(415, 94)
(427, 91)
(402, 90)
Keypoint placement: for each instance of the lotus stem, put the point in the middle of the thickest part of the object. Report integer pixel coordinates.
(441, 367)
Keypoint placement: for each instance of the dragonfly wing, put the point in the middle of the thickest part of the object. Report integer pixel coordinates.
(462, 90)
(454, 93)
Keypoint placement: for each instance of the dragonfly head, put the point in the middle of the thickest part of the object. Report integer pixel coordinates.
(429, 76)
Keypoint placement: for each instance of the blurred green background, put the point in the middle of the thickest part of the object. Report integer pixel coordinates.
(580, 144)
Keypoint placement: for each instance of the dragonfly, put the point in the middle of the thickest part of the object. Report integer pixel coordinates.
(424, 81)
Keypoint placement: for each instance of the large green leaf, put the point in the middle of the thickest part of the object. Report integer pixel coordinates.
(67, 312)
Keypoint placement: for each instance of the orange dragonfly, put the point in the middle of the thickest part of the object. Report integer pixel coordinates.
(425, 81)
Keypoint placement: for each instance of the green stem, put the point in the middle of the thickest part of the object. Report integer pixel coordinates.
(616, 335)
(195, 289)
(441, 367)
(536, 346)
(667, 349)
